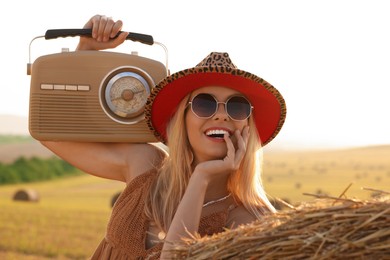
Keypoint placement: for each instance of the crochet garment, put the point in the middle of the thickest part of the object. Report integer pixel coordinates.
(126, 231)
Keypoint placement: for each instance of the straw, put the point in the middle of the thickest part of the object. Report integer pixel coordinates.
(325, 228)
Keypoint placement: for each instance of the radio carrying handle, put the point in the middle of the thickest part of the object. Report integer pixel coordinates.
(55, 33)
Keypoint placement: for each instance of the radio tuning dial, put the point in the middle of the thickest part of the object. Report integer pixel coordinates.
(126, 94)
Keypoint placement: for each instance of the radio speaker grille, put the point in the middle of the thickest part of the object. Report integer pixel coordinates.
(78, 115)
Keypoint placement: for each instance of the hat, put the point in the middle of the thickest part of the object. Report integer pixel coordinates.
(216, 69)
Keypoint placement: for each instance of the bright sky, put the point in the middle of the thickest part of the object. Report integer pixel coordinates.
(330, 59)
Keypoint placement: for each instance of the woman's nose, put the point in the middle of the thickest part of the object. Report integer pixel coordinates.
(221, 112)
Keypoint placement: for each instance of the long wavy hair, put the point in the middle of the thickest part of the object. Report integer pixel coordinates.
(168, 188)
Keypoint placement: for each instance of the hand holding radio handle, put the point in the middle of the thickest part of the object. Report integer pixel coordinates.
(55, 33)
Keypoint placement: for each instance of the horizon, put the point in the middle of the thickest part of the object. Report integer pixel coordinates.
(279, 143)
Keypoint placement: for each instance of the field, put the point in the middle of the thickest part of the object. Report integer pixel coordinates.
(67, 223)
(290, 175)
(70, 219)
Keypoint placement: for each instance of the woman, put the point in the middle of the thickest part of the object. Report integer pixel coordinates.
(214, 119)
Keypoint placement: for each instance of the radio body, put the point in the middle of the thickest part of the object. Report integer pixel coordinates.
(94, 96)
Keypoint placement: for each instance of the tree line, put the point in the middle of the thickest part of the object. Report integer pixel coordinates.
(35, 169)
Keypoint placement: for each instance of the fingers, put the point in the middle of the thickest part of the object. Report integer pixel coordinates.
(242, 141)
(235, 156)
(103, 28)
(230, 148)
(104, 32)
(117, 26)
(119, 40)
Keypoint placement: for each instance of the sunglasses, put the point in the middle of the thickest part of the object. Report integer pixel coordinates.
(205, 106)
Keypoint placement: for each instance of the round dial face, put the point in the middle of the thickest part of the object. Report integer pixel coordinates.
(126, 94)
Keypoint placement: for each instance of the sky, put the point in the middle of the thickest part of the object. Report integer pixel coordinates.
(330, 59)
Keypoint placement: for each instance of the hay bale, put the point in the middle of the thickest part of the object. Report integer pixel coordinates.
(280, 204)
(26, 195)
(326, 228)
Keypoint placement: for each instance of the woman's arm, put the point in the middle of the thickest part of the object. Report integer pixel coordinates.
(187, 217)
(117, 161)
(188, 214)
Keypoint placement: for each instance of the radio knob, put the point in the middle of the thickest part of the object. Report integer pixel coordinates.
(127, 95)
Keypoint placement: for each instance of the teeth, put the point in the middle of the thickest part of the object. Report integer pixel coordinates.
(216, 132)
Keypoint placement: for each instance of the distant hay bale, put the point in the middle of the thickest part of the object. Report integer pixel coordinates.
(26, 195)
(114, 198)
(327, 228)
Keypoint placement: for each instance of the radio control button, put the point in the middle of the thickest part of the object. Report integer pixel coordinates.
(71, 87)
(83, 88)
(47, 86)
(59, 87)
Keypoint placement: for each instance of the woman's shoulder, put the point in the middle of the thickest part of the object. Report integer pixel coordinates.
(149, 149)
(239, 215)
(144, 158)
(144, 178)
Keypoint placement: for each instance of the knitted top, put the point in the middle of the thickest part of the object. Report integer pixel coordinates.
(126, 231)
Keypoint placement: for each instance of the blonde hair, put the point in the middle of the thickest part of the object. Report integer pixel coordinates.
(246, 184)
(171, 183)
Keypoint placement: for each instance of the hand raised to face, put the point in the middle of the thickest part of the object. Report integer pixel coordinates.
(215, 168)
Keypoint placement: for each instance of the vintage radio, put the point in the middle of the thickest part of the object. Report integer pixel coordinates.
(92, 95)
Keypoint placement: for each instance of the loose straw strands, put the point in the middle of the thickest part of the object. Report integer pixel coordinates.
(326, 228)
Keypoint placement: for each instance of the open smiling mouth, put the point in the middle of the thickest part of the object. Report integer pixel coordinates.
(217, 133)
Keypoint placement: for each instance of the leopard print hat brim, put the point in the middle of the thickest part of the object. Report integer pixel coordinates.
(216, 70)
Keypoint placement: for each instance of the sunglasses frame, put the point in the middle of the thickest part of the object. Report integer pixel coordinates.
(220, 102)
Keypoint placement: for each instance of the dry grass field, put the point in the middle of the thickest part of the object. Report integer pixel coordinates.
(67, 223)
(70, 218)
(290, 175)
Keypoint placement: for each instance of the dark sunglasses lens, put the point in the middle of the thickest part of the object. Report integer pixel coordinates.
(204, 105)
(238, 108)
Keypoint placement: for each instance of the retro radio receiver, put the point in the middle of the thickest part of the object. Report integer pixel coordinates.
(92, 95)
